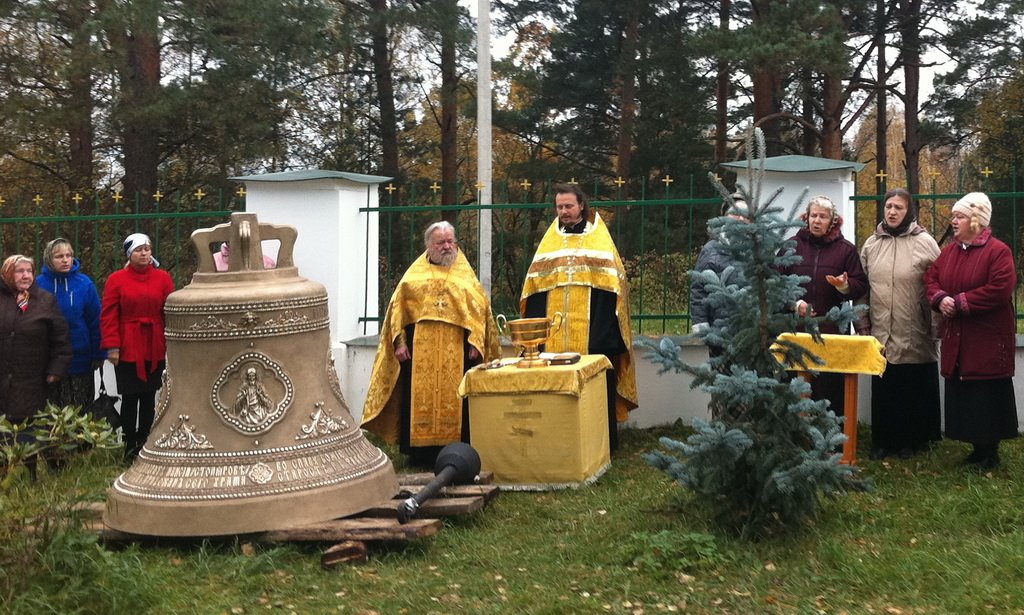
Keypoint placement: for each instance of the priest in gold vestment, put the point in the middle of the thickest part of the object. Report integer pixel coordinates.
(577, 271)
(438, 324)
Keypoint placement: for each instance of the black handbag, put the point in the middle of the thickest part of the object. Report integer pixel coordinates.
(103, 407)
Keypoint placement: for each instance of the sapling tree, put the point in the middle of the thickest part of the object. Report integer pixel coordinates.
(770, 453)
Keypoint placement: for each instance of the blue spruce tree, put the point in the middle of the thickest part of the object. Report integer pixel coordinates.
(769, 454)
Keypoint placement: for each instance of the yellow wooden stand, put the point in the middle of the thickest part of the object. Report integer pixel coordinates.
(843, 354)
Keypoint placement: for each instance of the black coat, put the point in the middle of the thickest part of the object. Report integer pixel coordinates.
(33, 344)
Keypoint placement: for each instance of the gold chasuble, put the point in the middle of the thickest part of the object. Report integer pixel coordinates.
(567, 266)
(443, 303)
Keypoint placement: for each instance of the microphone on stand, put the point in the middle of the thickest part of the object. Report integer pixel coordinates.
(458, 463)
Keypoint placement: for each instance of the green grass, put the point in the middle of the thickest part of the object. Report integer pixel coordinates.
(932, 538)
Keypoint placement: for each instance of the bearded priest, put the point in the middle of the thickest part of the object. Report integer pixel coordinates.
(438, 324)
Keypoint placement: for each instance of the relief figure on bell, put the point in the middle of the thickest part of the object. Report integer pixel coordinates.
(252, 405)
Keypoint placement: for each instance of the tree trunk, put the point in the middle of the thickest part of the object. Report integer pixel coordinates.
(385, 88)
(449, 109)
(809, 140)
(767, 86)
(722, 89)
(626, 81)
(81, 130)
(832, 104)
(910, 28)
(882, 111)
(136, 45)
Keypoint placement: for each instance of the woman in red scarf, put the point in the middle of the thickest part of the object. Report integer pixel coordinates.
(35, 347)
(132, 332)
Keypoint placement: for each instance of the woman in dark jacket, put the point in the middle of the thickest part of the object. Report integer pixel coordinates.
(80, 303)
(833, 266)
(34, 346)
(971, 284)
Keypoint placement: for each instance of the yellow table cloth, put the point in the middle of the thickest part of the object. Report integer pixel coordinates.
(540, 428)
(842, 354)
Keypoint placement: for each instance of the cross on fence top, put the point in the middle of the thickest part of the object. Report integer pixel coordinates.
(241, 191)
(199, 194)
(118, 197)
(882, 175)
(158, 195)
(390, 188)
(934, 173)
(573, 182)
(987, 171)
(480, 185)
(667, 180)
(619, 181)
(77, 198)
(37, 200)
(435, 187)
(525, 184)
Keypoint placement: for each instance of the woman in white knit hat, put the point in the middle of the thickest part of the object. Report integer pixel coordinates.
(971, 285)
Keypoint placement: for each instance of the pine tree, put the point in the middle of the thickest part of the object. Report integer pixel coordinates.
(763, 463)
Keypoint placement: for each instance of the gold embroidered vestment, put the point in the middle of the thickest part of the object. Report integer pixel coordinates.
(444, 303)
(567, 266)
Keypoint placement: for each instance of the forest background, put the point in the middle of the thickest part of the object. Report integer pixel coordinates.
(104, 98)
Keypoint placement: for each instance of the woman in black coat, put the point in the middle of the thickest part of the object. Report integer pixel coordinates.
(35, 348)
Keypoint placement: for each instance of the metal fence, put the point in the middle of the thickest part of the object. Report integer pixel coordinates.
(658, 236)
(97, 226)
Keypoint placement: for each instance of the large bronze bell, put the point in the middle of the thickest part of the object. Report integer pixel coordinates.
(251, 430)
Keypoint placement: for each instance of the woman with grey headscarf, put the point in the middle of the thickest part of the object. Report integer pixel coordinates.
(132, 328)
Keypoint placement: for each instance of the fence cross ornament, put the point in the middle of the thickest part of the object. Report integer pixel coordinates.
(480, 185)
(619, 181)
(37, 200)
(390, 188)
(573, 182)
(118, 197)
(667, 181)
(525, 184)
(435, 187)
(241, 191)
(199, 194)
(987, 171)
(77, 198)
(158, 195)
(881, 175)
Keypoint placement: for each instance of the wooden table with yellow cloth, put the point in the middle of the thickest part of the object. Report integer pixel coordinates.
(841, 354)
(543, 427)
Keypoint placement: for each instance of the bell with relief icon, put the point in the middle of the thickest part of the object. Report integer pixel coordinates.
(251, 431)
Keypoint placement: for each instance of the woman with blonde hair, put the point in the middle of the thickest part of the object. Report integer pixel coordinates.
(971, 285)
(79, 301)
(834, 274)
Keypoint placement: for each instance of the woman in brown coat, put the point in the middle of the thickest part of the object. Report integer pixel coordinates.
(35, 348)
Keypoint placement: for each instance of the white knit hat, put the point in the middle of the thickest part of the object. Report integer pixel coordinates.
(975, 204)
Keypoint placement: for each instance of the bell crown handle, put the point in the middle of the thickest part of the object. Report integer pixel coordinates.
(245, 233)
